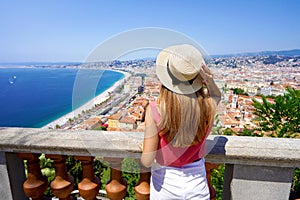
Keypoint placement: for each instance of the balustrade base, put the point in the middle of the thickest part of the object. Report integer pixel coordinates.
(257, 182)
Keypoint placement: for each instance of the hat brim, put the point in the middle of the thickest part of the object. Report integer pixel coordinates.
(165, 78)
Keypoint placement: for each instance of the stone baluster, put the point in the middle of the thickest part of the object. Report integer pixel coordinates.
(90, 184)
(116, 188)
(142, 189)
(36, 184)
(209, 167)
(63, 183)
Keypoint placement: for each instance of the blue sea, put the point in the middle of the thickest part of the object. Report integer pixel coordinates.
(33, 97)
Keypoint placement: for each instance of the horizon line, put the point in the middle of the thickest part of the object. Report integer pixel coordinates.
(144, 58)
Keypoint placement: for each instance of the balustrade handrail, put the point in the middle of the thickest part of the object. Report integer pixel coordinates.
(283, 152)
(256, 167)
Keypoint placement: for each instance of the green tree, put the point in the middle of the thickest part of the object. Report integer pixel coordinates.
(239, 91)
(228, 131)
(100, 128)
(216, 129)
(281, 118)
(249, 132)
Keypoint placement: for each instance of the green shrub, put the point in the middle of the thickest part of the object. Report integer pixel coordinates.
(131, 173)
(296, 181)
(217, 180)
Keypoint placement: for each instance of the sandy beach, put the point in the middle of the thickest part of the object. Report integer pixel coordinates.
(90, 104)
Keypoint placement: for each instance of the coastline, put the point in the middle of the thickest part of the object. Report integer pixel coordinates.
(90, 104)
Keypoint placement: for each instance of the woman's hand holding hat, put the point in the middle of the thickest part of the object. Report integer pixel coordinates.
(208, 80)
(205, 73)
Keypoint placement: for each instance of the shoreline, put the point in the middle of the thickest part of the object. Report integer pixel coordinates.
(89, 104)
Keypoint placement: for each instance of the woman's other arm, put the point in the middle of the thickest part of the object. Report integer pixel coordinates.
(150, 139)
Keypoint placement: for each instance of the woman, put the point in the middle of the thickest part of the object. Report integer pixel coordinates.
(178, 123)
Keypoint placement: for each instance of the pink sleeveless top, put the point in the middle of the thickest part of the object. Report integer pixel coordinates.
(168, 155)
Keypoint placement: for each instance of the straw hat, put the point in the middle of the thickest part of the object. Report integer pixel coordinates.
(177, 67)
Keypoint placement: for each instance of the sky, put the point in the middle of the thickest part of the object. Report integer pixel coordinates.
(69, 30)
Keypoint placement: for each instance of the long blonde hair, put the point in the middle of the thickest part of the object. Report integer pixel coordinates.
(185, 118)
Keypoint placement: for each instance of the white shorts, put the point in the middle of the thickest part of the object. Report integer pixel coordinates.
(186, 182)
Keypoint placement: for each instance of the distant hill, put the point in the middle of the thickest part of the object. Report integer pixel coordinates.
(293, 52)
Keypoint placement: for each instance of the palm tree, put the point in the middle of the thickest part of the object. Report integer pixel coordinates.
(281, 118)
